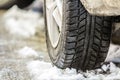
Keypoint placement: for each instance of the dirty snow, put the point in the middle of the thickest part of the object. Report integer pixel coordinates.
(22, 23)
(9, 74)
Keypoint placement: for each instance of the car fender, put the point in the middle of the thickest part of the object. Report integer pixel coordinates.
(102, 7)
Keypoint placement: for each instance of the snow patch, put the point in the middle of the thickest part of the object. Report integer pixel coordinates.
(41, 70)
(22, 23)
(27, 52)
(6, 74)
(113, 67)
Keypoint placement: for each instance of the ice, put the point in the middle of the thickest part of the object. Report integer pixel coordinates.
(105, 67)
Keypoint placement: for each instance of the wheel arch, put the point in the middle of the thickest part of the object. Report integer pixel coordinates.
(102, 7)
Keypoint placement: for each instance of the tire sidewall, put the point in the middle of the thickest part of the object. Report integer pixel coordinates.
(60, 49)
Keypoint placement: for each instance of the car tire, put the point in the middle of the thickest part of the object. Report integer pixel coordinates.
(84, 38)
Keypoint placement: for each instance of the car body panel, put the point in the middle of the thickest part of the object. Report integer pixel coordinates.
(102, 7)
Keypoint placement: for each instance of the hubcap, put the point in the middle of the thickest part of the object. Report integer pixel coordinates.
(54, 20)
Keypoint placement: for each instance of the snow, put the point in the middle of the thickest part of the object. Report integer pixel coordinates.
(7, 72)
(45, 71)
(41, 70)
(22, 23)
(27, 52)
(105, 67)
(113, 54)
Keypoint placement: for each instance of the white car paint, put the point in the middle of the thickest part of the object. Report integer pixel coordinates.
(102, 7)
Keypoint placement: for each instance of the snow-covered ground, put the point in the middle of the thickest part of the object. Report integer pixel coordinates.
(25, 24)
(41, 70)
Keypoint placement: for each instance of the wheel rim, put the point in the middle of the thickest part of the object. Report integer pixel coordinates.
(54, 20)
